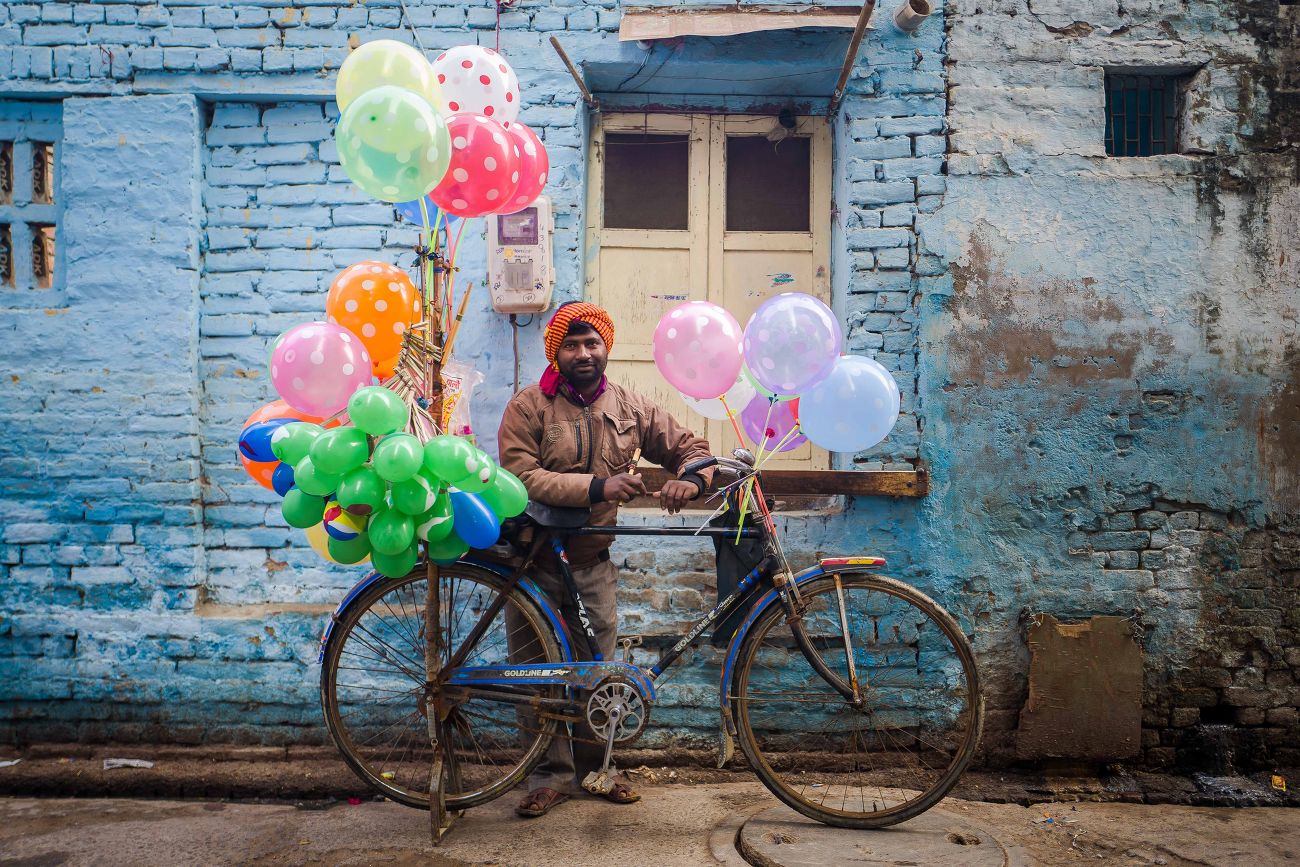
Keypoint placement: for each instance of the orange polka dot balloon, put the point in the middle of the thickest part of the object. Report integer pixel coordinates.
(378, 303)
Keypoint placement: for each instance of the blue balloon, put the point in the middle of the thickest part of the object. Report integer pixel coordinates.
(410, 211)
(282, 479)
(853, 408)
(255, 441)
(474, 520)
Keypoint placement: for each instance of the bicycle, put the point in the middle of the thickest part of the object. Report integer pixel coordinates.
(855, 698)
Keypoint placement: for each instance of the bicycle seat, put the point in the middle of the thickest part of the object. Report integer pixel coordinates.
(557, 517)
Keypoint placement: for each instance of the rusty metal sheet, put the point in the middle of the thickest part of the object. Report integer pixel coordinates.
(1085, 691)
(667, 23)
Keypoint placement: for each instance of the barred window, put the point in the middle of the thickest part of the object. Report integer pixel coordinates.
(1143, 112)
(30, 205)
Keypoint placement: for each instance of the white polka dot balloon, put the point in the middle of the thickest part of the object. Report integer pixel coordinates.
(484, 169)
(317, 366)
(477, 80)
(791, 342)
(534, 167)
(853, 408)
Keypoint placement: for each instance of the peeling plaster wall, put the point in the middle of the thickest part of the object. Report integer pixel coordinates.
(1113, 361)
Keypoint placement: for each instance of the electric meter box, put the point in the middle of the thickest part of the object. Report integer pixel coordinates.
(520, 272)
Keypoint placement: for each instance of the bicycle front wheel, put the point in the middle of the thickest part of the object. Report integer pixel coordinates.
(888, 757)
(373, 687)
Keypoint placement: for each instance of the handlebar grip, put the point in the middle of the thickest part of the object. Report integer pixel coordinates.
(701, 464)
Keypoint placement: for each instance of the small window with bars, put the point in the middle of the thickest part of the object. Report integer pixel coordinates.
(29, 196)
(1143, 113)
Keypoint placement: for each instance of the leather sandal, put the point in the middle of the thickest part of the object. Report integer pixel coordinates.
(621, 793)
(539, 802)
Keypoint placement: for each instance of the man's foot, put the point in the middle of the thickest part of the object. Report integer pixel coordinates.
(621, 793)
(539, 802)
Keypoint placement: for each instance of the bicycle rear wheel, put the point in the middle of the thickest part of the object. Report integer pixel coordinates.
(374, 697)
(897, 753)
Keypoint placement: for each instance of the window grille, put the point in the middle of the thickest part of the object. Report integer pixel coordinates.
(1142, 114)
(30, 205)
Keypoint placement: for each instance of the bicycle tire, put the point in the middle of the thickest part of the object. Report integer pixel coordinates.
(791, 763)
(385, 652)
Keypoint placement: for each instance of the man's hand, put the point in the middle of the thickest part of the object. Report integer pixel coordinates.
(625, 486)
(676, 494)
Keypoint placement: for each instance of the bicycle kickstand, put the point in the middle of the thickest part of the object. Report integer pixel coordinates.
(601, 782)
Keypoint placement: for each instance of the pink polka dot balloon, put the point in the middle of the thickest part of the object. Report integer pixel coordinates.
(484, 169)
(534, 166)
(477, 80)
(317, 366)
(697, 349)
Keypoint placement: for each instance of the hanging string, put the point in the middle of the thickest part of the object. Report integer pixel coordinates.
(451, 275)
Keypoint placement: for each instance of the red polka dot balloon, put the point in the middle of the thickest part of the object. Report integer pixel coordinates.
(484, 169)
(477, 80)
(534, 166)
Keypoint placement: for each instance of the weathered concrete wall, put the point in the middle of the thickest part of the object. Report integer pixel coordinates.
(1113, 365)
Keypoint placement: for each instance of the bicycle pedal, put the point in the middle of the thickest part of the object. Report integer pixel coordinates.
(599, 782)
(627, 644)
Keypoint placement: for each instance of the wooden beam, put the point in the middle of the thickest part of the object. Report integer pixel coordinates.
(850, 56)
(828, 483)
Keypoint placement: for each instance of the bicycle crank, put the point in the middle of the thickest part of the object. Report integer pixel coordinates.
(617, 715)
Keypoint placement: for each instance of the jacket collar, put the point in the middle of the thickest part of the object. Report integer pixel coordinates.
(552, 383)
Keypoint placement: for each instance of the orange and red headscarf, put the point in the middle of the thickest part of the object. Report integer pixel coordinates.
(576, 311)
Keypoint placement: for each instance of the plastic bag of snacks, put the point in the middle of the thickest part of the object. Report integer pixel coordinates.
(458, 383)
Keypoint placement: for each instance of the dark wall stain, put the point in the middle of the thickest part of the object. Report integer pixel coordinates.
(1010, 330)
(1279, 435)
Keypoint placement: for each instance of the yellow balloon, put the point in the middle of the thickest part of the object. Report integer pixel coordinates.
(319, 541)
(387, 62)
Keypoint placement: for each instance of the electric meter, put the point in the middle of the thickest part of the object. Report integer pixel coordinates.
(520, 272)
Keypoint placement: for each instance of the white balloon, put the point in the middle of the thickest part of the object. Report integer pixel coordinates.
(477, 80)
(738, 397)
(853, 408)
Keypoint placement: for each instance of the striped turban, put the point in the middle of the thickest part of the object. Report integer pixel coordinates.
(576, 311)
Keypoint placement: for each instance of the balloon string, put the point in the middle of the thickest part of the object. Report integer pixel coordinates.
(451, 282)
(428, 238)
(771, 404)
(731, 415)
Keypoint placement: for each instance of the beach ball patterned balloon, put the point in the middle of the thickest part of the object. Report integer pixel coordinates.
(378, 303)
(477, 80)
(318, 366)
(791, 342)
(341, 524)
(534, 167)
(484, 169)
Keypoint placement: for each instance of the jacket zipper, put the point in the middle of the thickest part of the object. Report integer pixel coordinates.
(591, 438)
(577, 430)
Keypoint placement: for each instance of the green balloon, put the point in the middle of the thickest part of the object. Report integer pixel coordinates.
(392, 144)
(436, 523)
(313, 481)
(507, 496)
(291, 442)
(480, 478)
(415, 496)
(361, 491)
(397, 457)
(396, 565)
(350, 551)
(450, 457)
(301, 509)
(377, 411)
(339, 450)
(391, 531)
(448, 549)
(770, 395)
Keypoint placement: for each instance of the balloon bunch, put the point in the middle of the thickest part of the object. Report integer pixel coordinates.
(445, 130)
(373, 491)
(785, 372)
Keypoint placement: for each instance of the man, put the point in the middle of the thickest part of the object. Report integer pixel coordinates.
(572, 439)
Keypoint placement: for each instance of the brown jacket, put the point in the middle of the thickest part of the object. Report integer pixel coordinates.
(557, 448)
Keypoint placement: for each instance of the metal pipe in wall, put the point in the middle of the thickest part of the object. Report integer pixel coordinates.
(912, 14)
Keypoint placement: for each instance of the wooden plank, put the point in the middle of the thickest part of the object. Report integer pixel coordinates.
(667, 23)
(828, 483)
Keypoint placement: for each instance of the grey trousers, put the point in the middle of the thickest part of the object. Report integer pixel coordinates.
(567, 762)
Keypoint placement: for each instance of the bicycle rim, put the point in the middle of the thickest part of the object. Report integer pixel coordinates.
(897, 754)
(373, 688)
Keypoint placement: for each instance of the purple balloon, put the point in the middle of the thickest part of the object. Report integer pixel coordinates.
(768, 422)
(791, 342)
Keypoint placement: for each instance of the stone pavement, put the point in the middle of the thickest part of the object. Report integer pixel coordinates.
(699, 824)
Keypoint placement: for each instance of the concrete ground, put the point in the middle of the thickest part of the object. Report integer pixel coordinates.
(674, 824)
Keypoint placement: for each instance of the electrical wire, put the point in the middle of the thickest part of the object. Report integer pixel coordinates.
(406, 16)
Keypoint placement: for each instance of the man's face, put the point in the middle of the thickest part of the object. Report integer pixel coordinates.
(582, 356)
